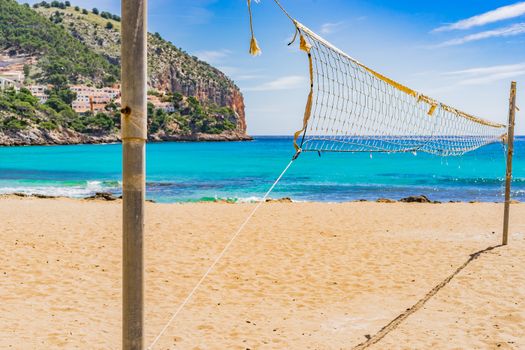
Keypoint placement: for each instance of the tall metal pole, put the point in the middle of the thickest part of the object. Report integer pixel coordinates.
(134, 134)
(510, 153)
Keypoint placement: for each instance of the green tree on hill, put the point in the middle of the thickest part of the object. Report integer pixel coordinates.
(22, 30)
(27, 71)
(177, 100)
(66, 57)
(57, 104)
(43, 4)
(20, 109)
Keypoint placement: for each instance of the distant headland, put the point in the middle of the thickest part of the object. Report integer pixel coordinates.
(59, 82)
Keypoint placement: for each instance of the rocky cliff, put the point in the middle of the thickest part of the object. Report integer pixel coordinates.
(170, 69)
(173, 70)
(208, 105)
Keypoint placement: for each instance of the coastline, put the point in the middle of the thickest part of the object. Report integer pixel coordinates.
(38, 137)
(225, 137)
(344, 271)
(107, 196)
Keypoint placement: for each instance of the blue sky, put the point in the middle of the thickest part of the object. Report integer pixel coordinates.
(462, 52)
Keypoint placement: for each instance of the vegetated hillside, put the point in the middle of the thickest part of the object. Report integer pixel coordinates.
(170, 68)
(24, 121)
(78, 46)
(61, 57)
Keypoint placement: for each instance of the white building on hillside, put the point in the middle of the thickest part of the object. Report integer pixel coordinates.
(40, 92)
(93, 99)
(6, 83)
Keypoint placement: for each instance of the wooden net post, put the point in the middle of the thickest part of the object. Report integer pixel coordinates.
(134, 134)
(510, 153)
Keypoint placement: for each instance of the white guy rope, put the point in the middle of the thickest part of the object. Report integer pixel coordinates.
(218, 258)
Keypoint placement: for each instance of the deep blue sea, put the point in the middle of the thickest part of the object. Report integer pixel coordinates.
(243, 171)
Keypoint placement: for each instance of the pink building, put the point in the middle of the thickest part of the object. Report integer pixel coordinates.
(39, 91)
(93, 99)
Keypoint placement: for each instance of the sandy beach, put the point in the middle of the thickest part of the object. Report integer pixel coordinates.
(301, 276)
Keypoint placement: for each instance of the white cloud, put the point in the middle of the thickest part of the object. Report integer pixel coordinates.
(492, 78)
(283, 83)
(488, 70)
(484, 75)
(240, 74)
(246, 77)
(329, 28)
(512, 30)
(499, 14)
(211, 56)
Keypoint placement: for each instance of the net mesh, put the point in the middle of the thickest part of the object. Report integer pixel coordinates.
(352, 108)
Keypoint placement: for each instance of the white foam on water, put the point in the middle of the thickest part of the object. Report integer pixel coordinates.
(252, 199)
(79, 191)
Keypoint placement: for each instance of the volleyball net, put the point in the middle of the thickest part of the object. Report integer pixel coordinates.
(352, 108)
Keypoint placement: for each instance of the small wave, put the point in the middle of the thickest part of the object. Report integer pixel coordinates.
(483, 180)
(252, 199)
(81, 190)
(212, 200)
(239, 200)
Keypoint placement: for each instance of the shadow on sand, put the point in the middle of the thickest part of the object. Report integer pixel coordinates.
(403, 316)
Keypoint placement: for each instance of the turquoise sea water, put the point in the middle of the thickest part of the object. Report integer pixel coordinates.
(244, 171)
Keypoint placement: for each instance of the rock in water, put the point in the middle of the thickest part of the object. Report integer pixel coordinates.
(106, 196)
(44, 196)
(280, 200)
(416, 199)
(385, 200)
(19, 194)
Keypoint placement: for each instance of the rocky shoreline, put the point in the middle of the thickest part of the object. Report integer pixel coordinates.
(62, 136)
(109, 197)
(199, 137)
